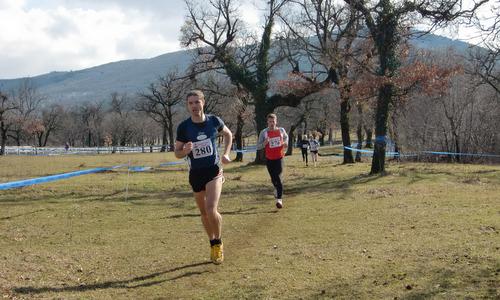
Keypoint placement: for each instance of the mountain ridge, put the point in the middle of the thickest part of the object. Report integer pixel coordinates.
(134, 75)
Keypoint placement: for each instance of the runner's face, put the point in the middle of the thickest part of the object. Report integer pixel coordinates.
(195, 105)
(271, 123)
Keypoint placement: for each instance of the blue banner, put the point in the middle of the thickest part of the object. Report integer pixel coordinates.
(426, 152)
(28, 182)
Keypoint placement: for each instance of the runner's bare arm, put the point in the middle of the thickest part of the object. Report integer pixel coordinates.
(182, 149)
(263, 140)
(285, 138)
(228, 141)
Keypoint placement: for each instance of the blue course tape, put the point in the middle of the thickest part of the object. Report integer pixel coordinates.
(27, 182)
(427, 152)
(171, 163)
(371, 151)
(139, 169)
(245, 150)
(462, 154)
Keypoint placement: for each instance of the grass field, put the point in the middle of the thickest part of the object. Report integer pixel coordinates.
(422, 231)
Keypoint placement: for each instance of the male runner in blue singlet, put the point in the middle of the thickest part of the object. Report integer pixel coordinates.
(196, 139)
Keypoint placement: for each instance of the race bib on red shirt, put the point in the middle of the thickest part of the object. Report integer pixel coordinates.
(275, 142)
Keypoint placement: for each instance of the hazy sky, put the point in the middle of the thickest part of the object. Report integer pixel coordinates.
(40, 36)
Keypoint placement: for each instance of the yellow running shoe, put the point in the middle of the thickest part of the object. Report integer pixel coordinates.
(212, 256)
(217, 253)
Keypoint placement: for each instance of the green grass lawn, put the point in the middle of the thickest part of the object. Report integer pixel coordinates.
(422, 231)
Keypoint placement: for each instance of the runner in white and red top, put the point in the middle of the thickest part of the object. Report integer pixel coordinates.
(274, 140)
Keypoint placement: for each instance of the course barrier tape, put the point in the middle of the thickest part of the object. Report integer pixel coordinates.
(462, 154)
(39, 180)
(244, 151)
(426, 152)
(139, 169)
(172, 163)
(50, 178)
(27, 182)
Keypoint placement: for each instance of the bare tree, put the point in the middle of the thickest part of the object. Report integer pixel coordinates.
(326, 31)
(296, 117)
(28, 102)
(159, 102)
(485, 58)
(6, 108)
(247, 60)
(91, 116)
(386, 21)
(228, 100)
(216, 88)
(120, 122)
(50, 121)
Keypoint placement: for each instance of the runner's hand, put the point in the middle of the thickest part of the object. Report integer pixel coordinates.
(226, 159)
(187, 148)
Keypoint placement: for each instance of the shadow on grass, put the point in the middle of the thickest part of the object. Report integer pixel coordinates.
(14, 198)
(116, 284)
(486, 171)
(304, 185)
(483, 280)
(21, 215)
(244, 168)
(248, 211)
(443, 283)
(121, 195)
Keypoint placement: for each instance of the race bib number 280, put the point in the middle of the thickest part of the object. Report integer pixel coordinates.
(202, 149)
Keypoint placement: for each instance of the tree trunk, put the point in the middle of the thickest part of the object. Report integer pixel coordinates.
(39, 138)
(17, 138)
(238, 137)
(369, 135)
(330, 135)
(457, 146)
(171, 134)
(89, 136)
(359, 132)
(384, 99)
(322, 137)
(3, 137)
(291, 140)
(46, 138)
(164, 138)
(262, 109)
(344, 126)
(394, 136)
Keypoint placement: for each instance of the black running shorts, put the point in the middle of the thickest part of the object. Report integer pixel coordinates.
(198, 178)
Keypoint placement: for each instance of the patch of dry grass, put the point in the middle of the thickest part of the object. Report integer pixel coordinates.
(422, 231)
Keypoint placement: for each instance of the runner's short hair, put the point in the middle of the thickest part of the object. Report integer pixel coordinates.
(271, 116)
(197, 93)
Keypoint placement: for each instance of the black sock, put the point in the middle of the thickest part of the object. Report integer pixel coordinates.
(215, 242)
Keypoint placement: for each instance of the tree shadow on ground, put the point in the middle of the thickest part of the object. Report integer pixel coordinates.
(126, 284)
(248, 211)
(22, 215)
(120, 195)
(243, 168)
(304, 185)
(439, 282)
